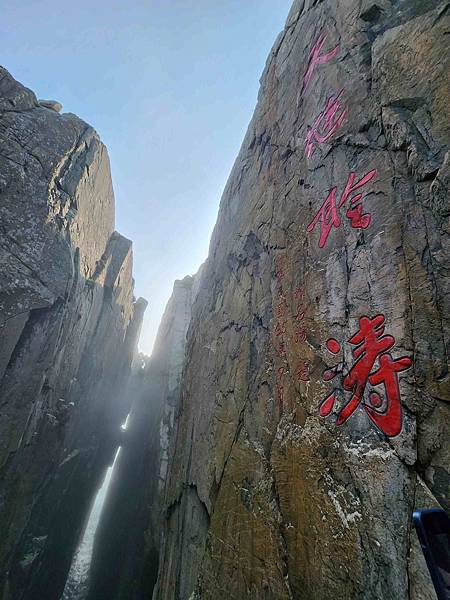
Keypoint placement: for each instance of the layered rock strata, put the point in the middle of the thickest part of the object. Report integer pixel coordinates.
(69, 325)
(314, 405)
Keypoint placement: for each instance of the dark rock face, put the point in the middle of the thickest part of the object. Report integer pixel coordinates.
(69, 327)
(127, 541)
(314, 409)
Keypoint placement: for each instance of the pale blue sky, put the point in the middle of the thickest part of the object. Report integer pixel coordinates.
(170, 85)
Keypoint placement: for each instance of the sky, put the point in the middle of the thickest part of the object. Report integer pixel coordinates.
(170, 86)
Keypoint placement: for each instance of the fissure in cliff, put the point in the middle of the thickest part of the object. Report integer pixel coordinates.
(295, 410)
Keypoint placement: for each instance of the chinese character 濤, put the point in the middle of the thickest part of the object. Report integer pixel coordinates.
(371, 345)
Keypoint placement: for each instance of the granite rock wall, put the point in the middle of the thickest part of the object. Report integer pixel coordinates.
(314, 404)
(69, 325)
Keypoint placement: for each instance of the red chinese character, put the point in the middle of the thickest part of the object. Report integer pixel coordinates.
(280, 312)
(300, 314)
(280, 306)
(299, 292)
(371, 344)
(302, 371)
(281, 350)
(315, 58)
(300, 335)
(390, 420)
(328, 121)
(358, 220)
(280, 329)
(328, 214)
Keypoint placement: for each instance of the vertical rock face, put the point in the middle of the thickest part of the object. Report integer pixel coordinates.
(127, 542)
(314, 409)
(68, 325)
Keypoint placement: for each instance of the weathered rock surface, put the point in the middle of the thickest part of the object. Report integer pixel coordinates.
(278, 451)
(69, 325)
(127, 541)
(51, 104)
(268, 498)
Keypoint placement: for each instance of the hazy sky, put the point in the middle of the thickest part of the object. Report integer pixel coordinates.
(170, 85)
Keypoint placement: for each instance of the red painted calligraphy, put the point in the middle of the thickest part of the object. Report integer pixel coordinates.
(280, 309)
(281, 350)
(302, 371)
(280, 386)
(299, 292)
(328, 215)
(280, 329)
(326, 123)
(371, 345)
(300, 334)
(315, 58)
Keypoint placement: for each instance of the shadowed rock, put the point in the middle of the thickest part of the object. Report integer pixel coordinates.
(69, 325)
(127, 541)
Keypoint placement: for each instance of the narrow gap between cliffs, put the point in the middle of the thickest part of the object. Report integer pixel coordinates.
(77, 584)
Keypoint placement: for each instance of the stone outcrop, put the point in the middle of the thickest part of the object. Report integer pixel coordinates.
(127, 542)
(292, 474)
(51, 104)
(69, 325)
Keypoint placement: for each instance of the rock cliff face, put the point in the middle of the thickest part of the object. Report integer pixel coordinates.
(127, 542)
(314, 409)
(69, 326)
(278, 451)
